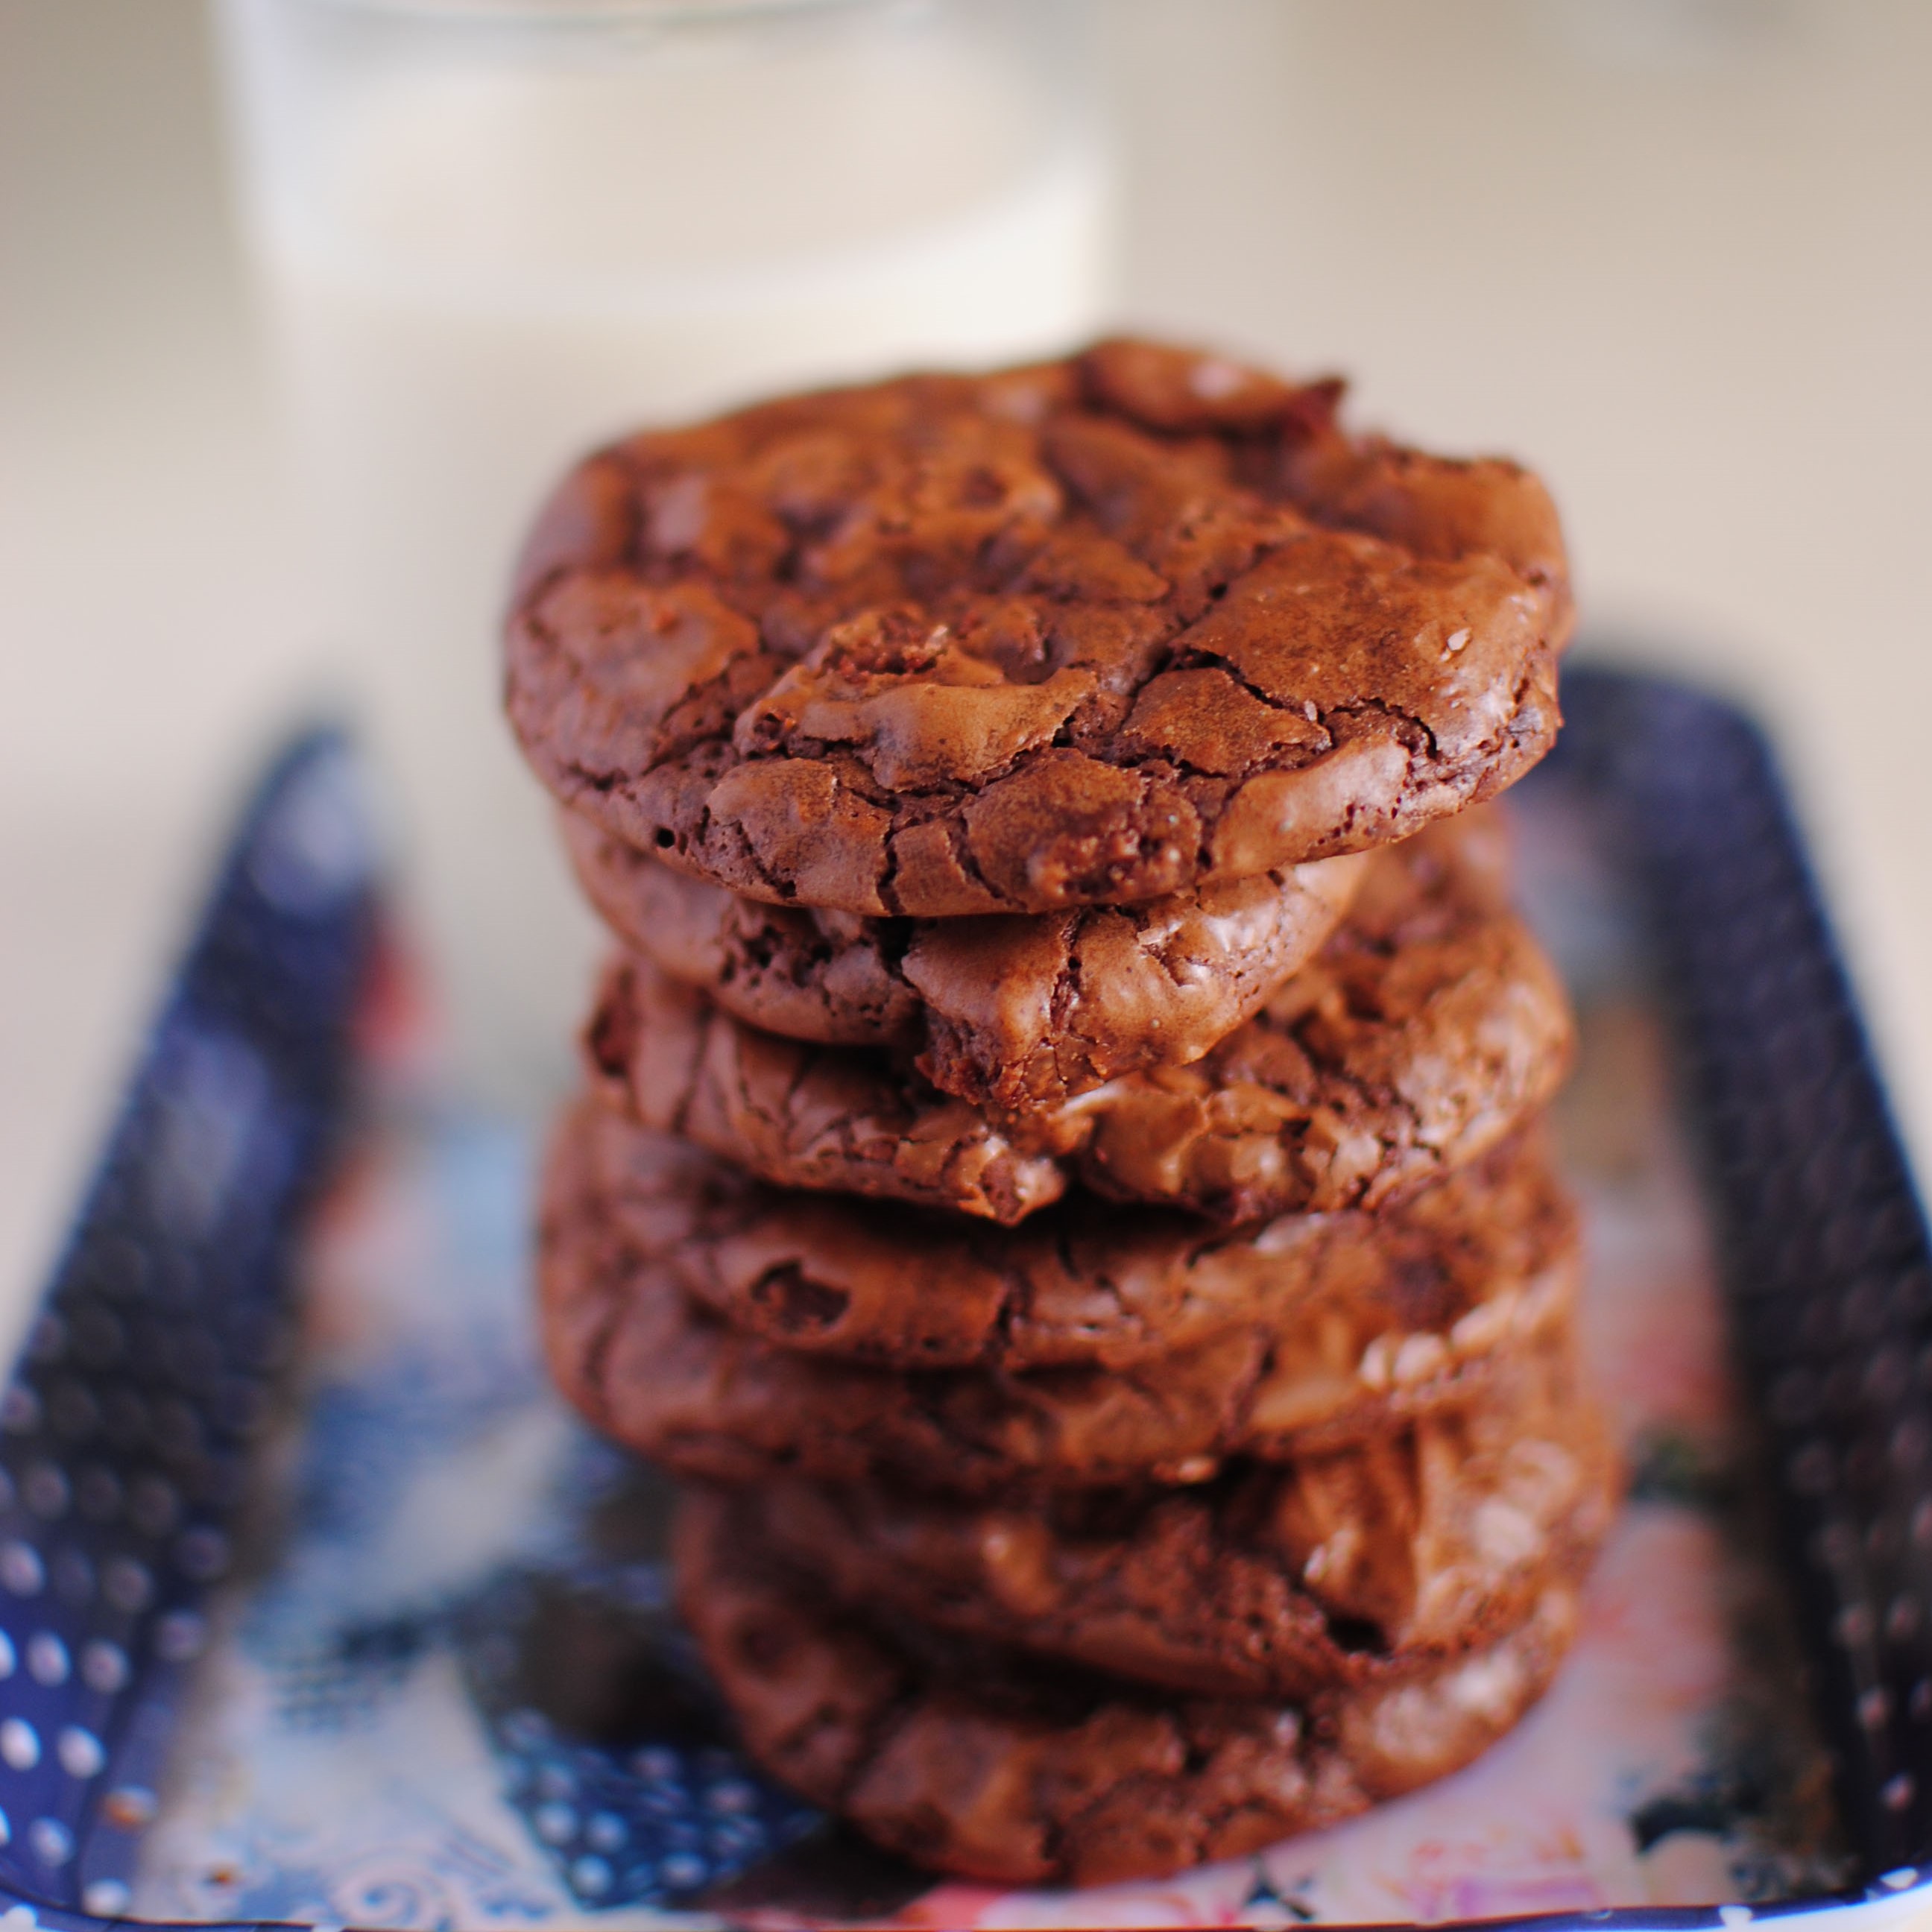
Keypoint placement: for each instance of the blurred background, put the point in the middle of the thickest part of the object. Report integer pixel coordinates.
(285, 358)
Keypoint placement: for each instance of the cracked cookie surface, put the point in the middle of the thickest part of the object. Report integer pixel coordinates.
(970, 1760)
(1410, 1314)
(1088, 632)
(834, 1119)
(1005, 1010)
(1360, 1564)
(1428, 1027)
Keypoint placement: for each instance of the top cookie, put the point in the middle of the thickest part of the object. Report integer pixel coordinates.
(1088, 632)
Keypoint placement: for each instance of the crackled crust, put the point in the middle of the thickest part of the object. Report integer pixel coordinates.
(1364, 1564)
(828, 1118)
(1402, 1320)
(1008, 1010)
(1083, 1281)
(969, 1760)
(1430, 1025)
(1090, 632)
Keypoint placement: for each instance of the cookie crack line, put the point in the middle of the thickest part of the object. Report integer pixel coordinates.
(1368, 707)
(1199, 657)
(594, 782)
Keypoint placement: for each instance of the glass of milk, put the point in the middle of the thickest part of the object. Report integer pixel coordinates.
(493, 233)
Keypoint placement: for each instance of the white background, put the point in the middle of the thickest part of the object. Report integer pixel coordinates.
(1678, 254)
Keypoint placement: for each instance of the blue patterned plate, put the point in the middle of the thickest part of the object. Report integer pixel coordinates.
(134, 1423)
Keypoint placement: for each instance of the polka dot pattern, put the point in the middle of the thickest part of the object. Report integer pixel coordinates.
(1825, 1249)
(659, 1823)
(622, 1836)
(125, 1429)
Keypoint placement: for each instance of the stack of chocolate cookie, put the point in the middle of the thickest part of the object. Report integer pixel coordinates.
(1059, 1170)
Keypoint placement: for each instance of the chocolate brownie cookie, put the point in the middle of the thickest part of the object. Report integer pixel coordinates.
(1426, 1029)
(1008, 1010)
(1081, 1282)
(1361, 1564)
(1086, 633)
(644, 1363)
(974, 1760)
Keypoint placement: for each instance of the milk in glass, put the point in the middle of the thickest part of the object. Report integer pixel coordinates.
(494, 232)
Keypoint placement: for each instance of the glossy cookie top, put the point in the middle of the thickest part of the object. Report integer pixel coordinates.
(1088, 632)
